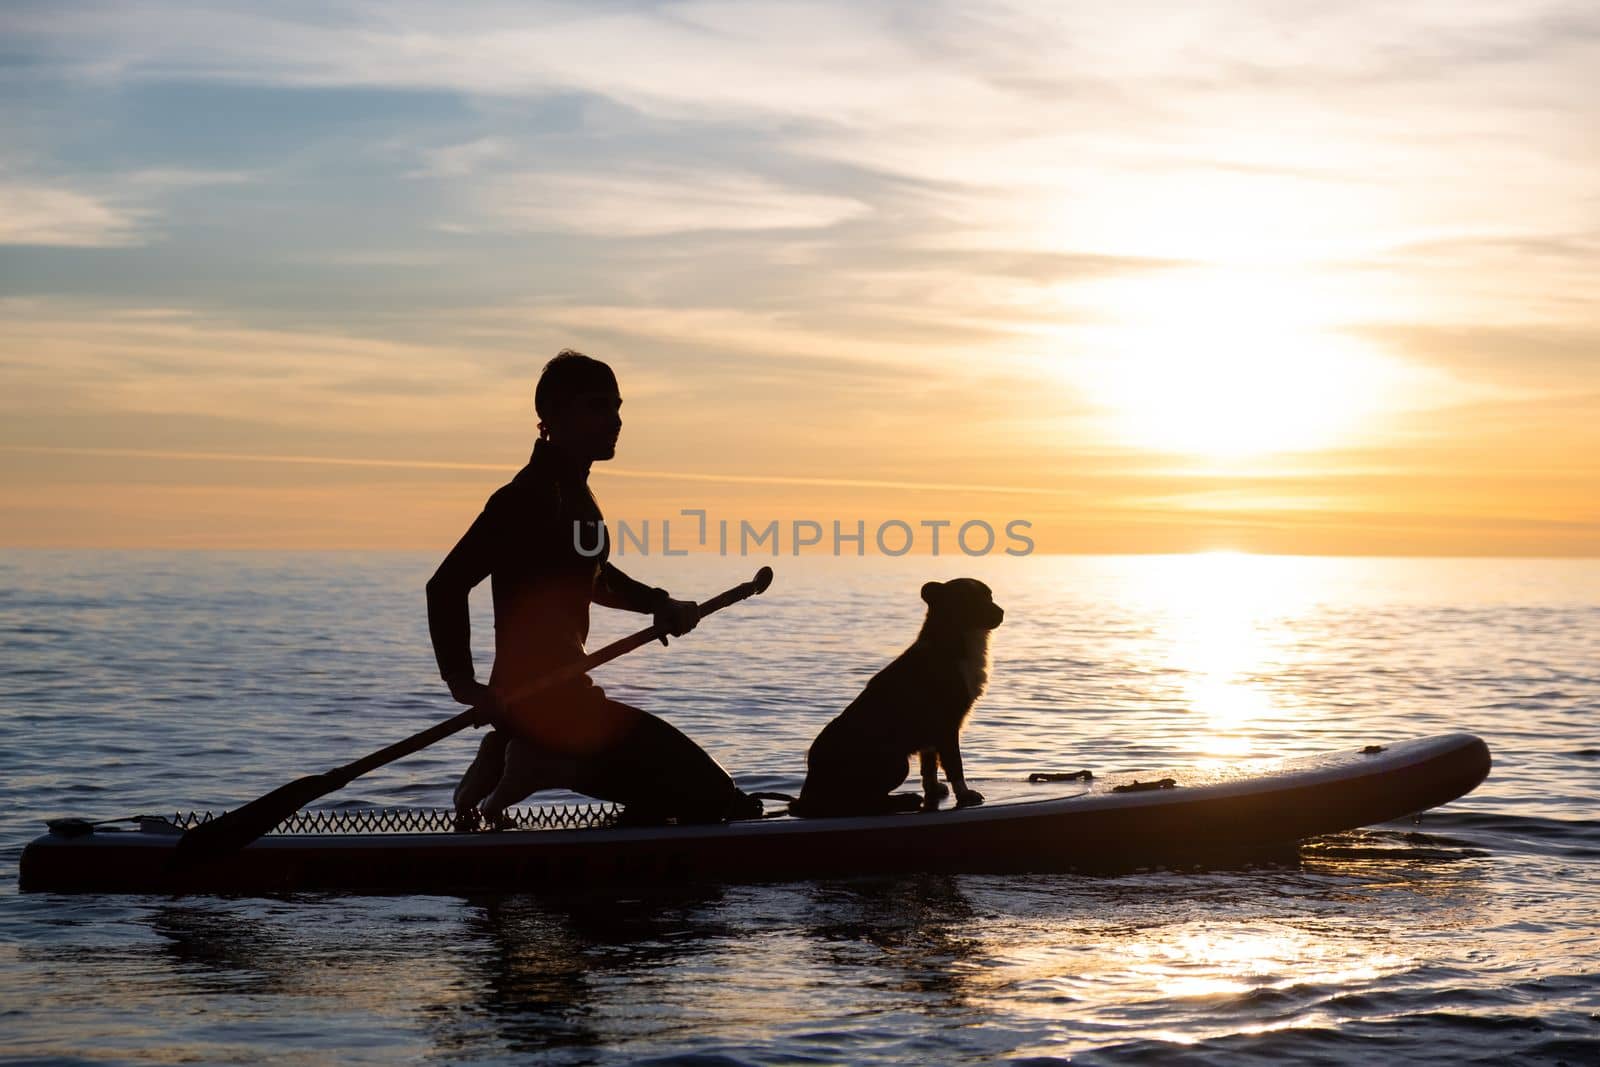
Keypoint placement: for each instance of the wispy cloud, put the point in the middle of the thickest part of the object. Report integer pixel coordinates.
(38, 212)
(460, 160)
(624, 472)
(1522, 359)
(166, 179)
(46, 215)
(171, 361)
(656, 203)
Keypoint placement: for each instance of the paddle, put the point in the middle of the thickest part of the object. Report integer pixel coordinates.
(235, 829)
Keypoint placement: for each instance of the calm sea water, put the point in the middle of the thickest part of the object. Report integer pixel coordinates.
(144, 681)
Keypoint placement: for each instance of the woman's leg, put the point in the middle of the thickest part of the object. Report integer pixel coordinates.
(656, 771)
(528, 769)
(484, 773)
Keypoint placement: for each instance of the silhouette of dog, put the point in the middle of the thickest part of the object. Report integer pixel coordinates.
(915, 705)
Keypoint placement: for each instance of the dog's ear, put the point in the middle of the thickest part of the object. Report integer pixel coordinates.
(931, 590)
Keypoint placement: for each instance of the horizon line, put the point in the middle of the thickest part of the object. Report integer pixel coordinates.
(788, 557)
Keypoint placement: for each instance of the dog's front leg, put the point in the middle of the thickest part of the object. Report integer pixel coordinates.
(949, 754)
(933, 790)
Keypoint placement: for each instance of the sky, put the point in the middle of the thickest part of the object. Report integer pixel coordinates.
(1150, 277)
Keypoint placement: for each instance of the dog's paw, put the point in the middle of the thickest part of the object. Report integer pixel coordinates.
(965, 798)
(935, 790)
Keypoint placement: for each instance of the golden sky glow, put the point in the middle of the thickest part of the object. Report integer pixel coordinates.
(1252, 276)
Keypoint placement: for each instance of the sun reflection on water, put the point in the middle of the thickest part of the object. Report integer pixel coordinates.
(1226, 967)
(1198, 961)
(1222, 637)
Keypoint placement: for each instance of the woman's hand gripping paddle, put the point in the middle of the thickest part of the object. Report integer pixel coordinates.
(235, 829)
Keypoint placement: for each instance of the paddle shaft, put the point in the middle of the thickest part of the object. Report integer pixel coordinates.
(234, 829)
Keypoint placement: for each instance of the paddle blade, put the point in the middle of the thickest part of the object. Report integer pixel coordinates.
(233, 830)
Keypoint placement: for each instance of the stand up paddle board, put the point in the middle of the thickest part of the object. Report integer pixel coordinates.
(1204, 814)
